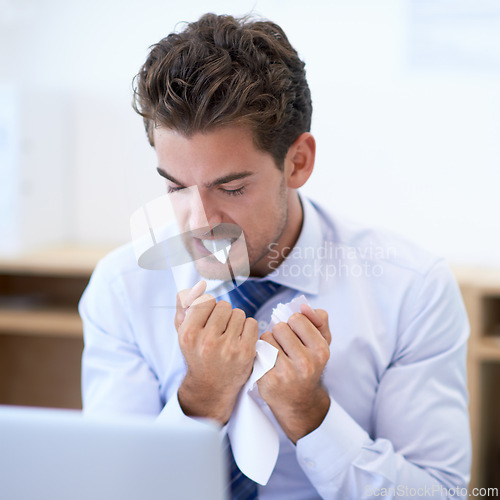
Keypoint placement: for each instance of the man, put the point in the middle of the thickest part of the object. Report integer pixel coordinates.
(368, 392)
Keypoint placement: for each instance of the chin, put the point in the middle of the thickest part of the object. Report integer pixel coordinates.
(212, 270)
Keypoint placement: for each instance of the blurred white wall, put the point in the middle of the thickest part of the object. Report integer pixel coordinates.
(406, 108)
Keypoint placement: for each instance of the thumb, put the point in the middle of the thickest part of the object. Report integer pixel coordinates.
(185, 299)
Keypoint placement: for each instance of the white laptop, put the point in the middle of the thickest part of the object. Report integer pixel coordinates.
(61, 455)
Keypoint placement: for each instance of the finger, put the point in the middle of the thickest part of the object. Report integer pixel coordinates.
(268, 337)
(219, 318)
(236, 323)
(192, 294)
(319, 318)
(250, 331)
(185, 298)
(305, 330)
(311, 315)
(180, 312)
(287, 339)
(325, 327)
(200, 310)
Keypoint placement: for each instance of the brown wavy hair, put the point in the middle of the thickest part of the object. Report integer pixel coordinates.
(221, 70)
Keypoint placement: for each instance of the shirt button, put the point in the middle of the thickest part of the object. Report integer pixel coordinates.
(310, 463)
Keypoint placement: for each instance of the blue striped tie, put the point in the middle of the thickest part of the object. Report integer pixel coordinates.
(249, 296)
(252, 294)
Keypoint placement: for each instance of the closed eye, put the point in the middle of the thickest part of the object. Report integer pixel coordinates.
(171, 189)
(234, 192)
(228, 192)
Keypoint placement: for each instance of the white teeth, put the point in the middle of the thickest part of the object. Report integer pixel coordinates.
(218, 248)
(222, 255)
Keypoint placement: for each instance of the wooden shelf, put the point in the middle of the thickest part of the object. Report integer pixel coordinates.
(58, 261)
(41, 339)
(481, 292)
(47, 323)
(485, 279)
(487, 349)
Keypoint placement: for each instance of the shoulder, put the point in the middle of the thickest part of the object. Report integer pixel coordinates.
(394, 269)
(115, 273)
(120, 270)
(118, 263)
(353, 240)
(119, 282)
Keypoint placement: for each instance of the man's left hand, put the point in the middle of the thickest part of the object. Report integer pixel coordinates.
(293, 388)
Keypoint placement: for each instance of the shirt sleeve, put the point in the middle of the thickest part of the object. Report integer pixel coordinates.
(116, 379)
(421, 441)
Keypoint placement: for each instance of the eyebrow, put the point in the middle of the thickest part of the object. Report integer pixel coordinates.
(217, 182)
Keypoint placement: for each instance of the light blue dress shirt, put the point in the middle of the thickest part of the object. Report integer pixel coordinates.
(398, 422)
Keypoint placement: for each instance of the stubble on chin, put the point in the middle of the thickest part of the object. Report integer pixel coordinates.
(259, 255)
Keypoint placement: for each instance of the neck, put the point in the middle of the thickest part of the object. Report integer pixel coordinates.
(289, 236)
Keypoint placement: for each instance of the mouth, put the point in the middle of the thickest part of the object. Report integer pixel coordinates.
(219, 248)
(215, 242)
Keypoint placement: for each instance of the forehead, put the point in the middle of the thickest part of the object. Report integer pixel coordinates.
(231, 146)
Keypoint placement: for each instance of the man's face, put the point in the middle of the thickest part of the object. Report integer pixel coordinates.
(240, 189)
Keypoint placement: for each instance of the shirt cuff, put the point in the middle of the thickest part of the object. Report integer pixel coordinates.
(331, 448)
(172, 414)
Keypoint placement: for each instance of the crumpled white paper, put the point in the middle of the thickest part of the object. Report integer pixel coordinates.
(254, 439)
(282, 312)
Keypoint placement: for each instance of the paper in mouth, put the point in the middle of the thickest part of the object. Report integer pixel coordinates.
(218, 248)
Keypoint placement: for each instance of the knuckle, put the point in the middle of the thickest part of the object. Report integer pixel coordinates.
(280, 377)
(248, 350)
(267, 336)
(186, 335)
(212, 330)
(223, 304)
(323, 315)
(302, 365)
(280, 327)
(251, 324)
(324, 355)
(203, 302)
(305, 367)
(320, 360)
(296, 317)
(239, 313)
(208, 299)
(308, 372)
(207, 345)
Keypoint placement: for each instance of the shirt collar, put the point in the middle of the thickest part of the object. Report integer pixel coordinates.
(297, 271)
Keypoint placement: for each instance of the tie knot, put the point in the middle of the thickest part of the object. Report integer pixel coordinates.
(252, 294)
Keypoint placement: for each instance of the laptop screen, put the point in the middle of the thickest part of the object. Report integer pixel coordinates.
(60, 455)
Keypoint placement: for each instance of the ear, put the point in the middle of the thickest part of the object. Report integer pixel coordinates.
(299, 160)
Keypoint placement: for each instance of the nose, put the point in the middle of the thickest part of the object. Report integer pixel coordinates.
(203, 211)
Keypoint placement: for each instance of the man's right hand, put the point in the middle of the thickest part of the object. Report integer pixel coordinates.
(218, 344)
